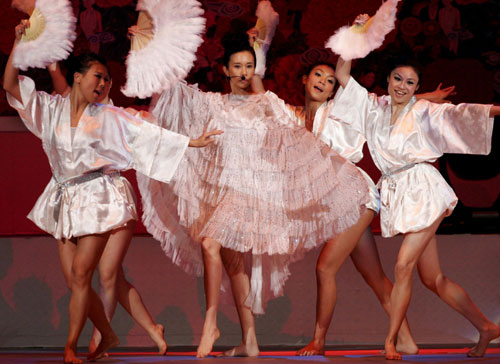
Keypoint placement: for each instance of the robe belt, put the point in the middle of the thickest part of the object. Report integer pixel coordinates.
(387, 178)
(62, 187)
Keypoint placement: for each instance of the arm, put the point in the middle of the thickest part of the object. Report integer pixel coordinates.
(439, 95)
(205, 139)
(10, 81)
(494, 111)
(59, 83)
(343, 71)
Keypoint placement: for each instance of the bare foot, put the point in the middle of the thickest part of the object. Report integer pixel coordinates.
(406, 347)
(157, 336)
(94, 341)
(246, 350)
(207, 341)
(491, 332)
(107, 342)
(70, 356)
(390, 351)
(315, 347)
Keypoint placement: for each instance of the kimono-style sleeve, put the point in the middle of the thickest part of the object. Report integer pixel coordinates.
(463, 128)
(152, 150)
(183, 109)
(36, 108)
(353, 104)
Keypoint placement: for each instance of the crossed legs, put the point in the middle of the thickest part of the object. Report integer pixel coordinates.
(115, 288)
(419, 249)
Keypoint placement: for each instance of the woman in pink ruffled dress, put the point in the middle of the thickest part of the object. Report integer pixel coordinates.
(263, 194)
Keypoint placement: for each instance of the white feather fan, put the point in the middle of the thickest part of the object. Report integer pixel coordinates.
(164, 46)
(357, 41)
(49, 37)
(267, 21)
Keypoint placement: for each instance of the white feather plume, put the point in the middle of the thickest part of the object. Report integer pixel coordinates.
(51, 43)
(170, 53)
(357, 41)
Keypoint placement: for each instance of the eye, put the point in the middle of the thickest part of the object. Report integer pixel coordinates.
(410, 82)
(317, 74)
(397, 78)
(330, 81)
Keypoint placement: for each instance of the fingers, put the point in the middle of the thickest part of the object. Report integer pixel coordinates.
(213, 132)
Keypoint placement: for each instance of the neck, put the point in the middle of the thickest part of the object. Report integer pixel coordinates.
(310, 109)
(78, 104)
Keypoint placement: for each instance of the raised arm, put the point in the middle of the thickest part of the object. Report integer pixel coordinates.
(343, 71)
(494, 111)
(10, 81)
(59, 83)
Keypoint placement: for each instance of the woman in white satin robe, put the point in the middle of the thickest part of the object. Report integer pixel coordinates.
(357, 242)
(87, 202)
(404, 136)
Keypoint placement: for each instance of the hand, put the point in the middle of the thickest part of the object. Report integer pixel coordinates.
(205, 139)
(21, 29)
(253, 34)
(439, 95)
(361, 19)
(132, 31)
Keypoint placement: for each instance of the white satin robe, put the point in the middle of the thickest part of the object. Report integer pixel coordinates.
(341, 137)
(107, 139)
(413, 192)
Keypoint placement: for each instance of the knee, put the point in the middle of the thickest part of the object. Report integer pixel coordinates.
(403, 271)
(433, 283)
(210, 247)
(324, 271)
(107, 278)
(80, 276)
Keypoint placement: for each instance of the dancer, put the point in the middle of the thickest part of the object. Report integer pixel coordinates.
(114, 287)
(256, 192)
(87, 202)
(405, 135)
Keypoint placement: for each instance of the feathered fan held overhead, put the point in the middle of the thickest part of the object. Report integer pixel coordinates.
(49, 37)
(358, 40)
(164, 43)
(267, 21)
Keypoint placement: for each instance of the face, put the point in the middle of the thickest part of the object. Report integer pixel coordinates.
(403, 82)
(319, 83)
(95, 83)
(241, 65)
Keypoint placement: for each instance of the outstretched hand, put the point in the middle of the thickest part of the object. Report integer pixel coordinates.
(439, 95)
(205, 139)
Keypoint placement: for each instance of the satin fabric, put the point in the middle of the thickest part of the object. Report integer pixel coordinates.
(413, 196)
(341, 137)
(107, 139)
(267, 187)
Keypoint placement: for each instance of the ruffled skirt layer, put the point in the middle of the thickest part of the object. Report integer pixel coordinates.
(272, 194)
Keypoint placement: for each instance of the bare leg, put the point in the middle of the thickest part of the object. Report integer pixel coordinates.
(240, 285)
(96, 313)
(87, 254)
(212, 280)
(331, 258)
(115, 287)
(411, 249)
(450, 292)
(367, 261)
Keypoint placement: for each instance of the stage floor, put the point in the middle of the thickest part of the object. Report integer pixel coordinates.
(449, 356)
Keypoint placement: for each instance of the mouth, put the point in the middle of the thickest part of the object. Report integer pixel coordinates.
(399, 93)
(319, 89)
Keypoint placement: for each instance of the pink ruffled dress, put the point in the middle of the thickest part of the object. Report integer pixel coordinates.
(267, 187)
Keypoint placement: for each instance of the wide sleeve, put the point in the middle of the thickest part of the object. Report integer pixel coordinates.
(184, 109)
(36, 108)
(152, 150)
(352, 105)
(462, 128)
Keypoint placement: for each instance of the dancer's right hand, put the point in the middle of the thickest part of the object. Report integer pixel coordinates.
(21, 29)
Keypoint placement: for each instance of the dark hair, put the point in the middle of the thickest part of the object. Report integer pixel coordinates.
(404, 61)
(306, 71)
(81, 64)
(234, 43)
